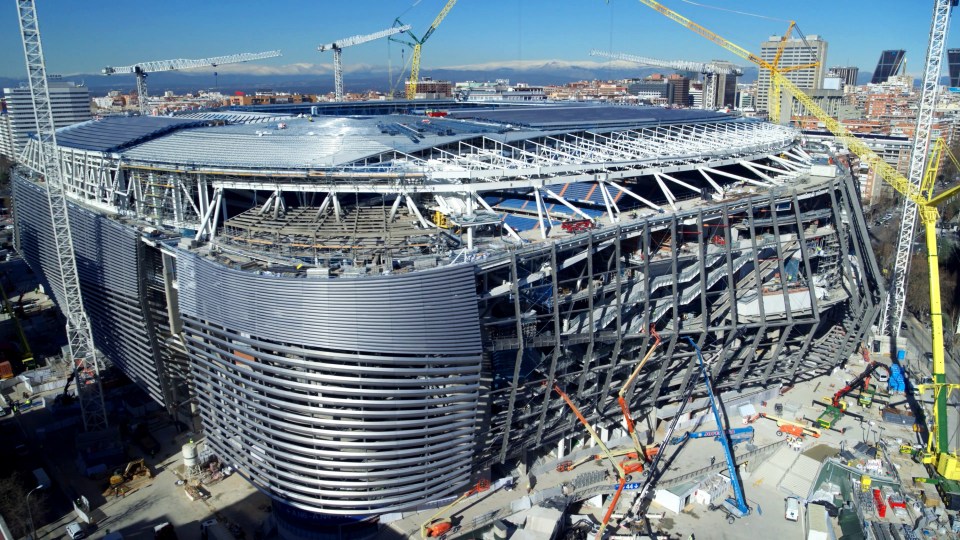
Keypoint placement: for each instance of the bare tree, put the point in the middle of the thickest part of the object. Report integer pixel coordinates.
(13, 504)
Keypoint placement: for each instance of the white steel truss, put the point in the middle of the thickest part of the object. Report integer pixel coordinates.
(83, 354)
(892, 313)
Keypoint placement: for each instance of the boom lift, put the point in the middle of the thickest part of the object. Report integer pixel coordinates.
(628, 385)
(418, 45)
(83, 355)
(790, 427)
(837, 406)
(141, 69)
(437, 526)
(943, 464)
(338, 46)
(736, 507)
(735, 434)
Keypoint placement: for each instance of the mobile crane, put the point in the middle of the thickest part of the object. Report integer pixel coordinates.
(736, 507)
(943, 464)
(837, 406)
(437, 526)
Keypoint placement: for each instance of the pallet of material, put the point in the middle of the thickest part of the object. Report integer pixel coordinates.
(196, 493)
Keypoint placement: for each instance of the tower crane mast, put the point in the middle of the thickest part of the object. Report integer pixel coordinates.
(83, 356)
(418, 45)
(892, 313)
(141, 69)
(338, 46)
(710, 71)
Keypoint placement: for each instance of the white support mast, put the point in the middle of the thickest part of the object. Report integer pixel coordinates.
(892, 314)
(83, 355)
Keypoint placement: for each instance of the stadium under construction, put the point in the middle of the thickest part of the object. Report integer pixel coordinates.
(367, 305)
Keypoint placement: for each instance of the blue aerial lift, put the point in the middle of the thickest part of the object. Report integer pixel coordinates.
(736, 435)
(736, 507)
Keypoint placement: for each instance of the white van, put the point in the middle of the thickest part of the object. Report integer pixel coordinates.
(792, 512)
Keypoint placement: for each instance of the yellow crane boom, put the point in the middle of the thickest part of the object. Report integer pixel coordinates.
(947, 464)
(418, 45)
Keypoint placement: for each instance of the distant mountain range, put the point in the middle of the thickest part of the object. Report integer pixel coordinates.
(318, 78)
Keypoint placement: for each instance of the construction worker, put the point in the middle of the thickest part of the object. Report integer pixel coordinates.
(713, 459)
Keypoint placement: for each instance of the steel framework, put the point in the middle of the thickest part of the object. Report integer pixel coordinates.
(893, 310)
(83, 355)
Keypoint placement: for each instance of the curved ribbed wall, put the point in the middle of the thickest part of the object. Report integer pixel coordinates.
(108, 264)
(341, 396)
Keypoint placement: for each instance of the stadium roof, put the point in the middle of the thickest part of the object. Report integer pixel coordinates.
(116, 132)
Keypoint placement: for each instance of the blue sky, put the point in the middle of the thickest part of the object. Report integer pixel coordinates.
(82, 37)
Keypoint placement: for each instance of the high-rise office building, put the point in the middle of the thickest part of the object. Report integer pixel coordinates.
(69, 101)
(847, 73)
(726, 87)
(889, 64)
(953, 64)
(6, 135)
(796, 52)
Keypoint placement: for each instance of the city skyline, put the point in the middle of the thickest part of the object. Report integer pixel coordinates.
(512, 33)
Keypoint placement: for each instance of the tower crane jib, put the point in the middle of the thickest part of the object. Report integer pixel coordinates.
(141, 69)
(338, 46)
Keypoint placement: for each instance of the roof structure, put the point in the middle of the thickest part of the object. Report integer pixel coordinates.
(116, 132)
(592, 115)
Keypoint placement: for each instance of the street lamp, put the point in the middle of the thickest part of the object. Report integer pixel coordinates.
(33, 529)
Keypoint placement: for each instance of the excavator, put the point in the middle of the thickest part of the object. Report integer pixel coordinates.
(837, 406)
(437, 526)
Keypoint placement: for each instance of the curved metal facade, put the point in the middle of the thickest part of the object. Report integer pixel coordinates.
(341, 396)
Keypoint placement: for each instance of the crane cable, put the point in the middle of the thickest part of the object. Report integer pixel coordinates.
(691, 2)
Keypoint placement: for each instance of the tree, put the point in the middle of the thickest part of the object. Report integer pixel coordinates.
(13, 504)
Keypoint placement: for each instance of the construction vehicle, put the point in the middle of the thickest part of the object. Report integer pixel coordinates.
(735, 434)
(141, 69)
(568, 465)
(628, 385)
(942, 464)
(338, 46)
(736, 507)
(418, 45)
(437, 526)
(791, 427)
(133, 477)
(837, 406)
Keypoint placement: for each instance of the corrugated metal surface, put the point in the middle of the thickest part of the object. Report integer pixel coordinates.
(347, 396)
(107, 261)
(428, 311)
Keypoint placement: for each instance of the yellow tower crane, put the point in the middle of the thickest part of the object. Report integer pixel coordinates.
(776, 89)
(945, 464)
(418, 45)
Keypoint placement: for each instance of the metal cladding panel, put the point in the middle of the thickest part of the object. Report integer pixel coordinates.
(106, 254)
(427, 311)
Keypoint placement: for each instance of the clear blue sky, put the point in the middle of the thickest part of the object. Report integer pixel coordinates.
(84, 36)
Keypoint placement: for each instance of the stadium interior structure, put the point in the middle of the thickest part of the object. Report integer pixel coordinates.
(367, 304)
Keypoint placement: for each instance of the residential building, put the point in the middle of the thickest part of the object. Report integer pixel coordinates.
(674, 88)
(428, 88)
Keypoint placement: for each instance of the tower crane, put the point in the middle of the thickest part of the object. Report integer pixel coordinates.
(141, 69)
(338, 46)
(710, 71)
(892, 313)
(945, 465)
(418, 45)
(776, 89)
(83, 355)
